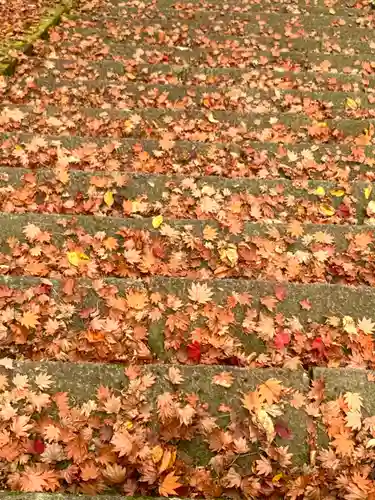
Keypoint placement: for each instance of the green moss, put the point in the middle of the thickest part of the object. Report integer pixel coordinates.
(51, 18)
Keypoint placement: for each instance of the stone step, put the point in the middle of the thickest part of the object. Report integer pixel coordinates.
(109, 95)
(342, 21)
(139, 416)
(333, 40)
(226, 49)
(232, 322)
(264, 160)
(247, 78)
(120, 9)
(224, 34)
(40, 245)
(192, 40)
(197, 125)
(204, 57)
(231, 202)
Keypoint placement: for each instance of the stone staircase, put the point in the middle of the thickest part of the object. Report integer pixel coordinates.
(187, 253)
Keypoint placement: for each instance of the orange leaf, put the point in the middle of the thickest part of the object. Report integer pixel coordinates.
(29, 319)
(225, 379)
(136, 299)
(169, 485)
(270, 391)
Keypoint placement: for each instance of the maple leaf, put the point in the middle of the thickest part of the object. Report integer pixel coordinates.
(14, 114)
(166, 406)
(21, 426)
(38, 446)
(362, 240)
(114, 473)
(29, 320)
(43, 381)
(122, 442)
(269, 302)
(344, 445)
(166, 143)
(20, 381)
(194, 351)
(169, 485)
(353, 400)
(295, 228)
(270, 391)
(186, 414)
(281, 292)
(225, 379)
(353, 420)
(209, 233)
(281, 339)
(265, 422)
(168, 459)
(366, 325)
(137, 299)
(7, 363)
(305, 304)
(200, 293)
(31, 231)
(263, 466)
(89, 471)
(282, 430)
(174, 375)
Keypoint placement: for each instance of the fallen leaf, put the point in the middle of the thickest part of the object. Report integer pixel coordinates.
(327, 210)
(108, 198)
(225, 379)
(76, 258)
(169, 485)
(157, 221)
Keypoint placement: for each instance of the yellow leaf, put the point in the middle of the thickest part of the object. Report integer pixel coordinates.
(337, 192)
(211, 118)
(62, 175)
(229, 253)
(157, 221)
(135, 206)
(128, 425)
(209, 233)
(370, 443)
(371, 207)
(352, 104)
(75, 258)
(349, 325)
(173, 458)
(108, 198)
(320, 191)
(156, 454)
(277, 477)
(327, 210)
(265, 421)
(165, 461)
(368, 191)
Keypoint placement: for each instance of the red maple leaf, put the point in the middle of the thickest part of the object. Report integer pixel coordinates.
(280, 292)
(38, 446)
(281, 340)
(282, 430)
(319, 346)
(194, 351)
(305, 304)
